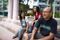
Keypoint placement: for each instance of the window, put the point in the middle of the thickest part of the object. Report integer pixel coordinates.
(42, 0)
(1, 13)
(0, 5)
(0, 1)
(5, 13)
(35, 0)
(5, 7)
(57, 2)
(0, 9)
(5, 0)
(57, 8)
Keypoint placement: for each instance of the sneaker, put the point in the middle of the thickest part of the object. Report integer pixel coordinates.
(14, 37)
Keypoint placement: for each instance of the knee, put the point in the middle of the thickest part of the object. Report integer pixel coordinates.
(25, 35)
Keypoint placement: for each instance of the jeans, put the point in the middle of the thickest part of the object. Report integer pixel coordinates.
(20, 32)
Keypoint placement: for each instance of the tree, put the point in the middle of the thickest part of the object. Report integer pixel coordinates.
(23, 7)
(51, 2)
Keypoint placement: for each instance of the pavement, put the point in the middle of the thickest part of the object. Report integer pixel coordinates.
(8, 29)
(10, 26)
(6, 34)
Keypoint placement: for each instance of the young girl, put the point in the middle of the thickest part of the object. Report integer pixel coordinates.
(37, 15)
(23, 28)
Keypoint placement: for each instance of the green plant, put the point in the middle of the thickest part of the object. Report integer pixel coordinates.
(57, 15)
(29, 14)
(23, 7)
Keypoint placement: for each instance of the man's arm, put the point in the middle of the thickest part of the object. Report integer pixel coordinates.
(49, 37)
(36, 26)
(33, 33)
(53, 31)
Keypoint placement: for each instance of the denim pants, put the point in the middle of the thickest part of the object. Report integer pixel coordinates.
(19, 32)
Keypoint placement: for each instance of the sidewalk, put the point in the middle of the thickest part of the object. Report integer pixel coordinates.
(13, 27)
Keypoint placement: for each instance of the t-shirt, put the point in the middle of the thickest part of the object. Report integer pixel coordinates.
(23, 23)
(46, 26)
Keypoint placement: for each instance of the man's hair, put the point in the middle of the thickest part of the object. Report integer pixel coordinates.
(51, 10)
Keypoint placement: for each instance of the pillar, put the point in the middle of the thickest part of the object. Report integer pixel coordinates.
(15, 9)
(10, 9)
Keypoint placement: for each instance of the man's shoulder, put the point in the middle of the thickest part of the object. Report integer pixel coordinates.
(53, 21)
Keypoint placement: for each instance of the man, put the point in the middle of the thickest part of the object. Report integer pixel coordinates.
(47, 26)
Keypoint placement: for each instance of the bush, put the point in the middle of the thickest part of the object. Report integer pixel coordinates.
(57, 15)
(29, 14)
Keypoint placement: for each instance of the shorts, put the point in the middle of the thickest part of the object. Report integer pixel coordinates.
(37, 36)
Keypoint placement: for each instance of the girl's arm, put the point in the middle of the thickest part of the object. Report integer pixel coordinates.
(27, 27)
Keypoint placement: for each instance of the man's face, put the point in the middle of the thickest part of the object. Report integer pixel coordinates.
(46, 12)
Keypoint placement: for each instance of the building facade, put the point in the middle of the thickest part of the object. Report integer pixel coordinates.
(12, 7)
(3, 7)
(56, 9)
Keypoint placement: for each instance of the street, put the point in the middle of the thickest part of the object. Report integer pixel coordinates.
(6, 34)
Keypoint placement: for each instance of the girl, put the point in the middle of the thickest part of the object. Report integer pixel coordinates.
(23, 28)
(37, 15)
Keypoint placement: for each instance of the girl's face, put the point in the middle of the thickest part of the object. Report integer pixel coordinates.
(34, 9)
(22, 15)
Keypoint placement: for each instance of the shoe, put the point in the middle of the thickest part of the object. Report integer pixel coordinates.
(14, 37)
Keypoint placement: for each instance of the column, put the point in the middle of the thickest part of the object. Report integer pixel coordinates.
(10, 9)
(47, 2)
(15, 9)
(53, 10)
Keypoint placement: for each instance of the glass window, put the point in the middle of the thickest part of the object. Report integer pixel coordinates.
(1, 13)
(35, 0)
(0, 5)
(5, 7)
(42, 0)
(57, 8)
(5, 0)
(5, 13)
(0, 9)
(58, 2)
(0, 1)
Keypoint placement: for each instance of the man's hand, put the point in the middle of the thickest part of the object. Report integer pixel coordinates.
(49, 37)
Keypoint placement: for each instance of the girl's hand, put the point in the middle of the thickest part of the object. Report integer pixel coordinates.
(31, 39)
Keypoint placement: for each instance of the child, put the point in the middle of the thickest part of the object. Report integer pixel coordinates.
(23, 28)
